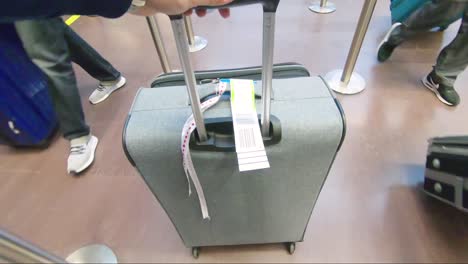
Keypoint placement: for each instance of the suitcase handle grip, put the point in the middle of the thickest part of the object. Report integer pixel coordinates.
(221, 135)
(269, 6)
(225, 97)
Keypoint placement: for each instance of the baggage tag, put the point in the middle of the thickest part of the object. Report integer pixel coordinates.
(250, 149)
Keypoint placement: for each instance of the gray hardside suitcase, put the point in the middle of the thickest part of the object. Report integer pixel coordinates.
(446, 175)
(305, 130)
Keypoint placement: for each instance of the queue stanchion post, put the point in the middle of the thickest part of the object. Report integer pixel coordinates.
(158, 43)
(346, 81)
(322, 7)
(16, 250)
(96, 253)
(196, 43)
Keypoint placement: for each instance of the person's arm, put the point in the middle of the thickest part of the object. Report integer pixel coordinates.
(177, 7)
(15, 10)
(29, 9)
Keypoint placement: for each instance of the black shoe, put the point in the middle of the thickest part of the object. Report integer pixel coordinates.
(385, 48)
(445, 93)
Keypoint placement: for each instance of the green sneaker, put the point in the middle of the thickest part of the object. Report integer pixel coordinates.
(385, 48)
(445, 93)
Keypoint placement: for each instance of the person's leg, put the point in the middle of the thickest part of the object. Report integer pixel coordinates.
(95, 65)
(452, 61)
(431, 15)
(45, 44)
(88, 58)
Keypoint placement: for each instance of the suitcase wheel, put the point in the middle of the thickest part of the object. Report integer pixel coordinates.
(195, 252)
(291, 247)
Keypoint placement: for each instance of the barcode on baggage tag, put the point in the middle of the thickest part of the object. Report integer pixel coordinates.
(245, 119)
(247, 138)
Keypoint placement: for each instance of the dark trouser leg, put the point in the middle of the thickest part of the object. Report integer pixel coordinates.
(45, 44)
(431, 15)
(85, 56)
(454, 58)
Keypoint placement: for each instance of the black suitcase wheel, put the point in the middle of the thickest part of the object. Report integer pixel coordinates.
(195, 252)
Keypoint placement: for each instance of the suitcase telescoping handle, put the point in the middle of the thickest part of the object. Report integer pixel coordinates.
(269, 15)
(268, 5)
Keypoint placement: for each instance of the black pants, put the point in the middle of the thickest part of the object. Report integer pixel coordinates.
(453, 59)
(52, 46)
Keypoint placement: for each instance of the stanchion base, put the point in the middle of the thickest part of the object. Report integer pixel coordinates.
(200, 43)
(356, 85)
(328, 8)
(93, 254)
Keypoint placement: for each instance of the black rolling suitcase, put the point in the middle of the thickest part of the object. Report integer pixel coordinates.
(446, 177)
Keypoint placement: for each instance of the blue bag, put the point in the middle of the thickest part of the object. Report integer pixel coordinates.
(27, 116)
(402, 9)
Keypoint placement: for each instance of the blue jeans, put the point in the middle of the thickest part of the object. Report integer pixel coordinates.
(53, 46)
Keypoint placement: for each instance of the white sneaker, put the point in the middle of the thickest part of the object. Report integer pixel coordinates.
(105, 89)
(81, 153)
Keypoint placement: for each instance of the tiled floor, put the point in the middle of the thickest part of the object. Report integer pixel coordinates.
(371, 208)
